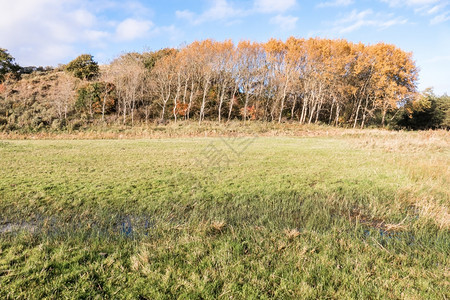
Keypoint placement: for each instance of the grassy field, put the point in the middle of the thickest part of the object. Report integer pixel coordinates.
(360, 215)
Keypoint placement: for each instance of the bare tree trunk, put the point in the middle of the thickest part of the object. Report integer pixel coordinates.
(311, 113)
(357, 113)
(317, 106)
(132, 111)
(222, 94)
(124, 111)
(272, 111)
(266, 109)
(331, 111)
(313, 109)
(338, 108)
(147, 113)
(176, 97)
(383, 117)
(185, 90)
(304, 106)
(165, 100)
(202, 108)
(282, 100)
(364, 113)
(281, 110)
(293, 107)
(103, 109)
(318, 110)
(164, 110)
(246, 105)
(366, 83)
(191, 96)
(232, 102)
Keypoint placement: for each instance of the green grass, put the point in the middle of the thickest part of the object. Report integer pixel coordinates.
(313, 217)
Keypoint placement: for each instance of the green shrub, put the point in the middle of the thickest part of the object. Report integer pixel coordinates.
(58, 124)
(427, 112)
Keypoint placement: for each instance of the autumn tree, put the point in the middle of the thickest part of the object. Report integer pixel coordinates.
(251, 61)
(163, 75)
(282, 59)
(128, 74)
(395, 77)
(107, 92)
(63, 95)
(305, 80)
(223, 68)
(205, 51)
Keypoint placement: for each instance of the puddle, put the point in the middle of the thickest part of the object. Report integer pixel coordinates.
(131, 225)
(126, 225)
(15, 227)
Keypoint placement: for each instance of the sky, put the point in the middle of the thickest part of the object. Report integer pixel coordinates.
(52, 32)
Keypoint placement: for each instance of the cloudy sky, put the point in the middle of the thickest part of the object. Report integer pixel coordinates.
(48, 32)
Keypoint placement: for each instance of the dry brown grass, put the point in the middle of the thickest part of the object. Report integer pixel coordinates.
(140, 260)
(292, 233)
(433, 211)
(388, 140)
(424, 156)
(402, 141)
(395, 227)
(192, 129)
(218, 225)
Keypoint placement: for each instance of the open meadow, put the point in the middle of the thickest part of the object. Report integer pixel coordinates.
(347, 214)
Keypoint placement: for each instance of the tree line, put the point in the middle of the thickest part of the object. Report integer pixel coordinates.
(314, 80)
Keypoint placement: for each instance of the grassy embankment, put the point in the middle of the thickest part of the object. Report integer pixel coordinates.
(359, 214)
(184, 129)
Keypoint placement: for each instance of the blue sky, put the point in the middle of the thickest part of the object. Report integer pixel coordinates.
(48, 32)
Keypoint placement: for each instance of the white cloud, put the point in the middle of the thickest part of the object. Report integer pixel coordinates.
(423, 7)
(47, 32)
(185, 14)
(219, 10)
(366, 18)
(43, 30)
(284, 22)
(410, 2)
(274, 6)
(224, 10)
(335, 3)
(96, 35)
(131, 29)
(440, 18)
(436, 9)
(431, 9)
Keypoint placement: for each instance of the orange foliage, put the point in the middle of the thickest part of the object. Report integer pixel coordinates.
(251, 112)
(181, 108)
(312, 80)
